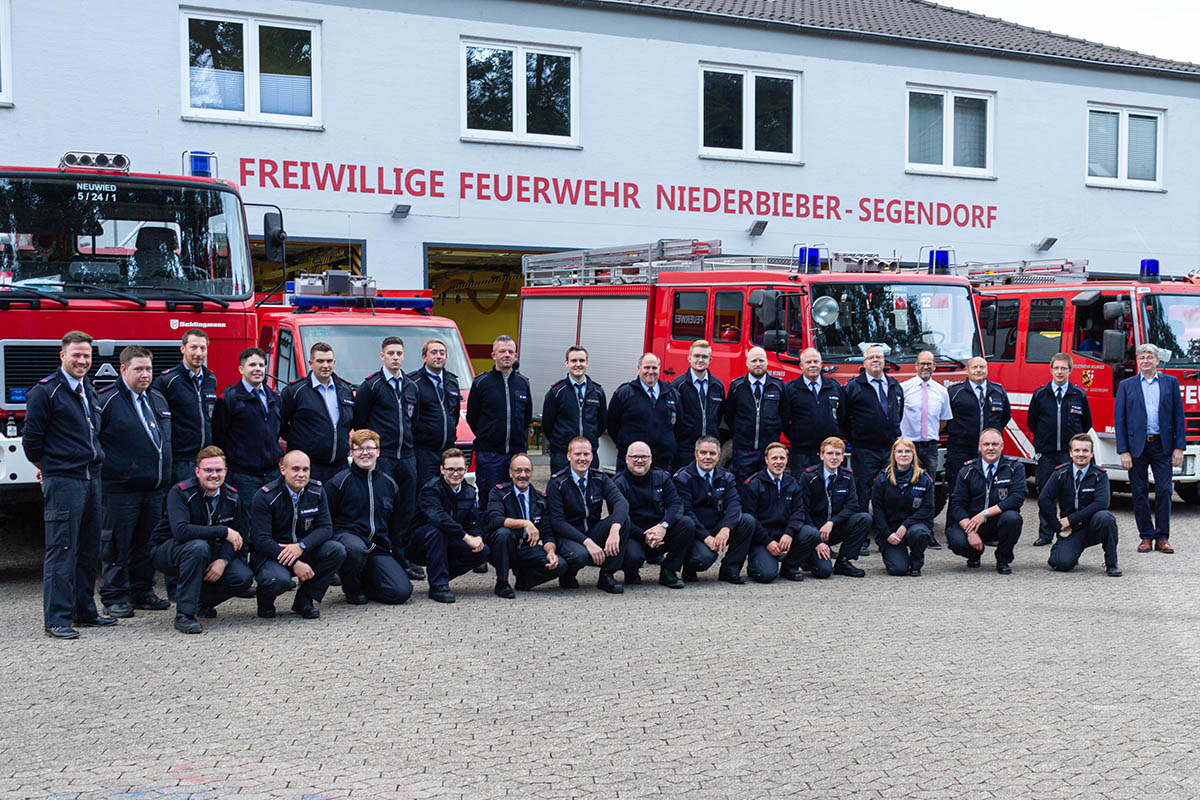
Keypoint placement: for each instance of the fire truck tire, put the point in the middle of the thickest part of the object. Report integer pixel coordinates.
(1190, 492)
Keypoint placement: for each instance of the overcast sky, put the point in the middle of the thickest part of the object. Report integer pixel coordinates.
(1165, 28)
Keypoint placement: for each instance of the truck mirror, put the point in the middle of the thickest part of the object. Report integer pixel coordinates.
(1113, 346)
(1114, 310)
(775, 341)
(273, 236)
(987, 318)
(766, 304)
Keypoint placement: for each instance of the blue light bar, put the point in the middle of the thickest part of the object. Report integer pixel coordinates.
(16, 395)
(1149, 270)
(939, 262)
(810, 258)
(200, 163)
(317, 301)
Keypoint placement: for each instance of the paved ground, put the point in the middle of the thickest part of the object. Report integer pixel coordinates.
(954, 685)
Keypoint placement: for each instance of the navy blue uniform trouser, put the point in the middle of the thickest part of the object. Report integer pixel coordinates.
(576, 553)
(71, 511)
(898, 559)
(404, 472)
(247, 484)
(274, 578)
(701, 556)
(866, 464)
(670, 554)
(510, 553)
(745, 463)
(183, 467)
(1154, 460)
(764, 567)
(1101, 529)
(323, 472)
(127, 568)
(954, 463)
(800, 460)
(1046, 464)
(1001, 532)
(491, 469)
(373, 572)
(188, 561)
(558, 462)
(445, 556)
(848, 536)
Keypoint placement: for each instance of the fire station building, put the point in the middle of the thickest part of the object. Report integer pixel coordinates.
(432, 143)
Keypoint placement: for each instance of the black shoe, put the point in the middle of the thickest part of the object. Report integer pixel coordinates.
(415, 573)
(633, 577)
(97, 621)
(336, 580)
(523, 585)
(866, 549)
(151, 602)
(1003, 569)
(689, 575)
(1113, 572)
(568, 581)
(790, 575)
(934, 545)
(481, 569)
(356, 598)
(206, 612)
(973, 562)
(119, 610)
(266, 607)
(441, 594)
(304, 607)
(251, 591)
(914, 572)
(62, 632)
(504, 590)
(607, 583)
(848, 569)
(187, 624)
(1041, 542)
(736, 578)
(669, 579)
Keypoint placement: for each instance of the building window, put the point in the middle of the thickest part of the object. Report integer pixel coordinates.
(1124, 147)
(950, 131)
(252, 70)
(747, 113)
(5, 54)
(520, 93)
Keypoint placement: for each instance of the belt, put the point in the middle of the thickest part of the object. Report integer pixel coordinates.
(1153, 438)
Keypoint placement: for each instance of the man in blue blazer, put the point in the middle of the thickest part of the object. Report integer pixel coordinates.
(1150, 434)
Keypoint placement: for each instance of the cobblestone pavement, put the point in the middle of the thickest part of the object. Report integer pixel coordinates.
(959, 684)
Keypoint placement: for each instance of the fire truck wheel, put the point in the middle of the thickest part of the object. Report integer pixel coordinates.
(1190, 492)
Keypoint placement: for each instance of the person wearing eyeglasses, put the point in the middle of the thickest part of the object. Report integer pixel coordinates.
(658, 530)
(517, 533)
(367, 521)
(447, 535)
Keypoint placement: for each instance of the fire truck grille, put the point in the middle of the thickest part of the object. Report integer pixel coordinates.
(26, 364)
(1192, 425)
(467, 451)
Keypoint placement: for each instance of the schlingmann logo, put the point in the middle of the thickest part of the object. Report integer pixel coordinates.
(176, 324)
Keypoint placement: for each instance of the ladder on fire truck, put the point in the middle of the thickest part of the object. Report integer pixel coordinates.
(1050, 270)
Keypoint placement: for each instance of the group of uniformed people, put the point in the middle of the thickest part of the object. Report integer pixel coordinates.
(369, 488)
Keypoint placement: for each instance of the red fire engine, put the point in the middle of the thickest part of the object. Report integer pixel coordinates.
(1031, 310)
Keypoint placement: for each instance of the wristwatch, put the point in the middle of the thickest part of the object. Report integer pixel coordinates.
(303, 546)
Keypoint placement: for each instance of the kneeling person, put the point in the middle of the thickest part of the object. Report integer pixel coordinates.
(196, 542)
(1080, 490)
(902, 506)
(447, 535)
(776, 502)
(710, 500)
(831, 498)
(574, 502)
(368, 522)
(658, 530)
(986, 502)
(515, 510)
(293, 535)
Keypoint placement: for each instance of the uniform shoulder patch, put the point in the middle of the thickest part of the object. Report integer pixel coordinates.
(813, 468)
(47, 379)
(231, 489)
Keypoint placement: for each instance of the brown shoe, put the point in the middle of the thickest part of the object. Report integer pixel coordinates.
(1145, 546)
(1162, 546)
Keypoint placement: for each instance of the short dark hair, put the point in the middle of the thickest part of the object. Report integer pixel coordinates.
(389, 341)
(425, 347)
(452, 452)
(707, 440)
(134, 351)
(193, 332)
(320, 347)
(245, 355)
(575, 348)
(76, 337)
(1082, 437)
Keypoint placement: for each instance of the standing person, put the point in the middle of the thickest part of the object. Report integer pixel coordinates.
(499, 411)
(135, 432)
(448, 534)
(1150, 436)
(658, 530)
(902, 507)
(575, 500)
(435, 421)
(813, 403)
(644, 410)
(774, 498)
(872, 413)
(191, 391)
(317, 412)
(1057, 412)
(976, 404)
(197, 540)
(518, 534)
(701, 398)
(1075, 504)
(754, 413)
(986, 504)
(386, 402)
(710, 500)
(60, 438)
(246, 426)
(831, 499)
(926, 412)
(293, 537)
(574, 406)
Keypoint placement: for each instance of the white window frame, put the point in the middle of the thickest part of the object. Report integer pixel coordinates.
(947, 167)
(747, 151)
(6, 74)
(1122, 181)
(251, 115)
(518, 135)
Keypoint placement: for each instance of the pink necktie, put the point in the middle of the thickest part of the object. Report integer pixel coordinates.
(925, 410)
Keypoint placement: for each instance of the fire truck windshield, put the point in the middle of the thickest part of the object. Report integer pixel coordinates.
(1172, 321)
(356, 347)
(79, 235)
(904, 317)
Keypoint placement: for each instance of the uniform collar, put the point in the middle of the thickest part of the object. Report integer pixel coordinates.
(703, 474)
(575, 383)
(188, 370)
(294, 495)
(1053, 387)
(316, 384)
(808, 383)
(437, 376)
(250, 390)
(697, 378)
(129, 389)
(576, 477)
(389, 377)
(975, 386)
(72, 383)
(826, 473)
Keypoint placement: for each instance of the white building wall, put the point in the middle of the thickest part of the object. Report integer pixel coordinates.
(391, 85)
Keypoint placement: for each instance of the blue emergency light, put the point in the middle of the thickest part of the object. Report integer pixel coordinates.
(200, 163)
(939, 262)
(318, 301)
(1149, 270)
(18, 395)
(810, 258)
